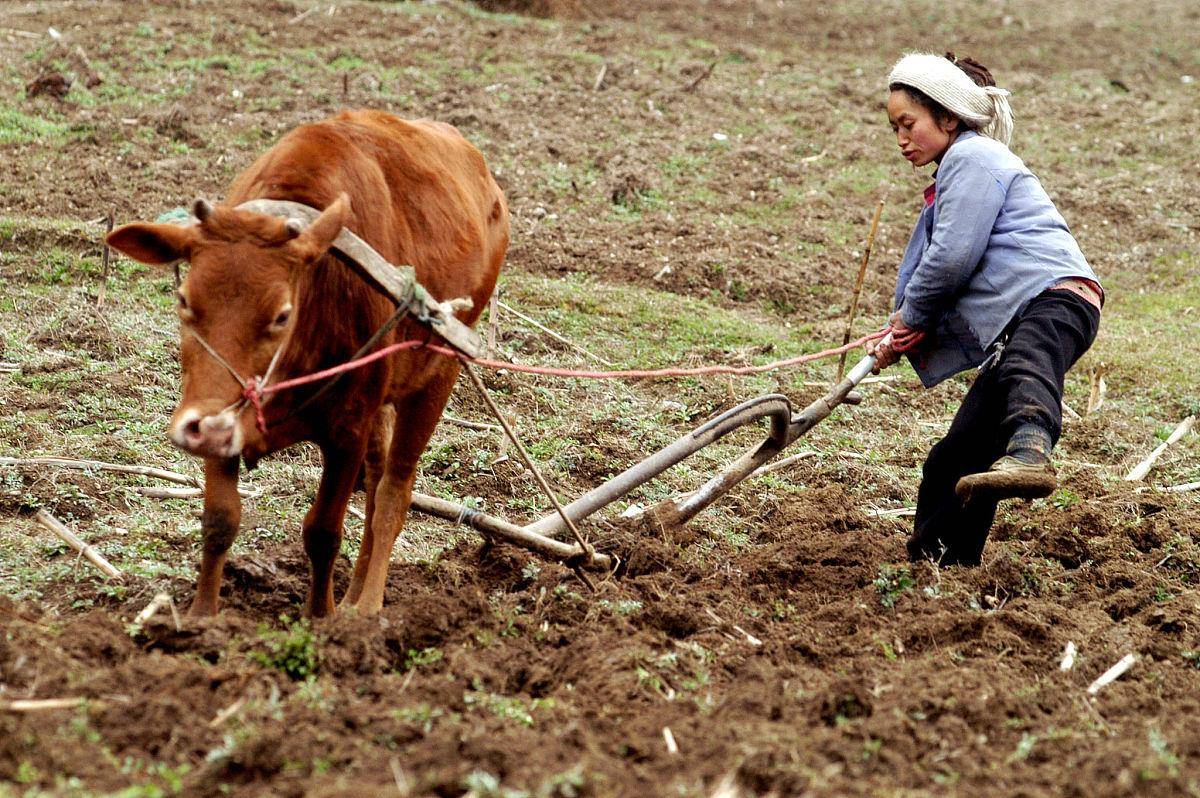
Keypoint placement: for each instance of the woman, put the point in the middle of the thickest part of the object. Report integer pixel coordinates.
(991, 278)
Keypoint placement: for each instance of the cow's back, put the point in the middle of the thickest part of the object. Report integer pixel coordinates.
(420, 194)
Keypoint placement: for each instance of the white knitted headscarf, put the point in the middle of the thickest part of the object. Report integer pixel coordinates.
(984, 107)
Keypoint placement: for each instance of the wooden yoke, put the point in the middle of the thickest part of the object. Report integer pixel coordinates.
(398, 282)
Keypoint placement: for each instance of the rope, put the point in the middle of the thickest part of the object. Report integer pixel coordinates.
(550, 371)
(906, 341)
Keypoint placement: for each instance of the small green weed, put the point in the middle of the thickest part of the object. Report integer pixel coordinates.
(1024, 748)
(292, 650)
(18, 128)
(1064, 498)
(892, 583)
(507, 707)
(424, 656)
(1166, 761)
(481, 784)
(422, 715)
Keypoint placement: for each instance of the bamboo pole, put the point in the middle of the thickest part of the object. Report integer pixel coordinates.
(528, 461)
(862, 273)
(90, 554)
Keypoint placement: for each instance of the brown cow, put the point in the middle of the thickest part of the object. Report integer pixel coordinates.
(418, 193)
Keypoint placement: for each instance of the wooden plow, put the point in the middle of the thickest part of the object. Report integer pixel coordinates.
(540, 536)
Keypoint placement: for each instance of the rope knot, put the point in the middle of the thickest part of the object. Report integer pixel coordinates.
(254, 394)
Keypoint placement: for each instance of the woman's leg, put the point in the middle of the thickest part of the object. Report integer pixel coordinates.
(944, 529)
(1055, 331)
(1051, 335)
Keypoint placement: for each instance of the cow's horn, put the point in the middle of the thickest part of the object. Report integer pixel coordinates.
(202, 209)
(294, 227)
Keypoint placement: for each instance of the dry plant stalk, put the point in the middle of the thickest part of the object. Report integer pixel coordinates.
(43, 704)
(1140, 471)
(227, 713)
(1068, 657)
(157, 603)
(1097, 390)
(186, 493)
(97, 465)
(101, 294)
(1112, 674)
(552, 333)
(708, 70)
(90, 554)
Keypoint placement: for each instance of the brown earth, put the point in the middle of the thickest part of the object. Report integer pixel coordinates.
(805, 662)
(780, 669)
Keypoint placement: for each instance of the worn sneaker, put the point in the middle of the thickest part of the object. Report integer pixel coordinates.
(1024, 474)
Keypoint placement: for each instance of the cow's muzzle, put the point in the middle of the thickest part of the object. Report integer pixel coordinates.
(217, 435)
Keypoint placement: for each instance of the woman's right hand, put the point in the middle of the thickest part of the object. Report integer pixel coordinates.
(902, 339)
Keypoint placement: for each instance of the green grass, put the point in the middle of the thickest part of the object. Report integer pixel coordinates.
(20, 128)
(1146, 328)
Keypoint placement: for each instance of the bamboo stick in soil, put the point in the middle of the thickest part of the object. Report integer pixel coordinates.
(862, 273)
(1140, 471)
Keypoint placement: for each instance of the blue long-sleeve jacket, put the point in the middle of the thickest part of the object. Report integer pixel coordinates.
(989, 243)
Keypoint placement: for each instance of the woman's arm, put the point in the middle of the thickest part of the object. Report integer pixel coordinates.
(969, 198)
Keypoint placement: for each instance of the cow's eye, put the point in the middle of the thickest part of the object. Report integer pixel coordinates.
(281, 318)
(186, 314)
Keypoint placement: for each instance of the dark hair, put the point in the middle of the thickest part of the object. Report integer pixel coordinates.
(976, 71)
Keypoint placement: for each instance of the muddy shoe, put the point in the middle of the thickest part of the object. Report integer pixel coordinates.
(1013, 476)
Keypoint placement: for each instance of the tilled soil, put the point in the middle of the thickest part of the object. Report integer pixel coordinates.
(779, 669)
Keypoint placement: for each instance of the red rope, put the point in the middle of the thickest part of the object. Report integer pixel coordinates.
(253, 392)
(907, 340)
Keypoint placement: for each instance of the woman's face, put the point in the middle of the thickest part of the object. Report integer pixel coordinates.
(922, 138)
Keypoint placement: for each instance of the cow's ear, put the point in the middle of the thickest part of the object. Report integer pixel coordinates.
(155, 244)
(318, 236)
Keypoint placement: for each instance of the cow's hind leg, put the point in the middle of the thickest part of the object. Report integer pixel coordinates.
(323, 523)
(377, 450)
(416, 417)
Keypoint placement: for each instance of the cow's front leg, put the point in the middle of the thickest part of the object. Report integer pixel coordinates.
(218, 528)
(323, 523)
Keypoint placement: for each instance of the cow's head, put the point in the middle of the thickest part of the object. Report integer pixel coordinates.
(239, 297)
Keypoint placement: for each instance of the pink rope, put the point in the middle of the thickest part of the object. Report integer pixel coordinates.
(253, 391)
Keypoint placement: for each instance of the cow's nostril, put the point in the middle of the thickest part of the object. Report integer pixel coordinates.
(191, 430)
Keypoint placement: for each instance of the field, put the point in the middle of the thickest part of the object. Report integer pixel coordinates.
(691, 183)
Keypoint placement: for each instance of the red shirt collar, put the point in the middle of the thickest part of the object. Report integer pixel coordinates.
(930, 194)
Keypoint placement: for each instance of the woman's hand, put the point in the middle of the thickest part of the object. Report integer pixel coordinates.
(903, 338)
(884, 354)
